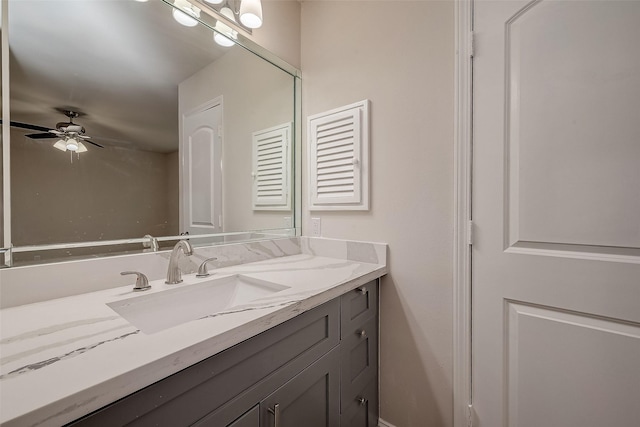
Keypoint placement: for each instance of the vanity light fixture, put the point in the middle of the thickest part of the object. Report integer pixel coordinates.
(186, 13)
(225, 35)
(251, 13)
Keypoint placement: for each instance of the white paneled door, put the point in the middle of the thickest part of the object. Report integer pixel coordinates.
(556, 211)
(201, 157)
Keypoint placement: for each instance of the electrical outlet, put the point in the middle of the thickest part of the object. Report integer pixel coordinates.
(315, 227)
(287, 222)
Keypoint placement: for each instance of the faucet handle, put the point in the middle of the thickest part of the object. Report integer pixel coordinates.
(202, 270)
(142, 283)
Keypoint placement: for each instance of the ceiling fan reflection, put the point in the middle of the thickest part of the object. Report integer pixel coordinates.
(71, 136)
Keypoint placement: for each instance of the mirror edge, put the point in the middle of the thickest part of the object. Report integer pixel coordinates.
(6, 179)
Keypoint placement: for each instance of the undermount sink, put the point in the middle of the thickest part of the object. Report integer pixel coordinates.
(166, 309)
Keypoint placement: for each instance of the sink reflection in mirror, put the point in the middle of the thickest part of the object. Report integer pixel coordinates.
(166, 309)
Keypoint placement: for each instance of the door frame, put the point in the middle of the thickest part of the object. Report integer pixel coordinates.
(218, 100)
(463, 227)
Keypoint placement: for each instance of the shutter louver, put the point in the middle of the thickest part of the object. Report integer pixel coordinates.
(338, 159)
(271, 162)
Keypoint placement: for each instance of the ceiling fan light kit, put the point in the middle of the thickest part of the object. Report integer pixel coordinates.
(70, 144)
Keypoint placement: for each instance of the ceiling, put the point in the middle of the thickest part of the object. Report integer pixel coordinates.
(119, 62)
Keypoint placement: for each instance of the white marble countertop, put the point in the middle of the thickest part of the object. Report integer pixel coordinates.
(63, 358)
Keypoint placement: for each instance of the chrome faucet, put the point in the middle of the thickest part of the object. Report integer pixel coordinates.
(174, 275)
(202, 270)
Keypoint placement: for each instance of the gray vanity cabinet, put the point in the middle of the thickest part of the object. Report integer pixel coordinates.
(317, 369)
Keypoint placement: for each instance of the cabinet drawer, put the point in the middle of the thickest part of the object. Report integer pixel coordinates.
(358, 360)
(357, 306)
(362, 411)
(189, 395)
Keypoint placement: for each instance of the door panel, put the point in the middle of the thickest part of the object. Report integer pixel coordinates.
(201, 154)
(573, 94)
(556, 208)
(570, 369)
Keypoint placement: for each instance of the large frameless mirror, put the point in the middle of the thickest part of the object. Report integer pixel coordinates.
(127, 125)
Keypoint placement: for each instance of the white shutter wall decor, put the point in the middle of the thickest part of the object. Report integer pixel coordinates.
(339, 158)
(270, 168)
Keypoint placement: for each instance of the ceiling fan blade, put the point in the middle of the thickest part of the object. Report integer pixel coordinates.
(41, 136)
(27, 126)
(91, 142)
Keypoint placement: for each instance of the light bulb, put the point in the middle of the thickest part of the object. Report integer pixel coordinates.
(251, 13)
(225, 35)
(184, 19)
(186, 13)
(228, 13)
(71, 144)
(222, 40)
(214, 1)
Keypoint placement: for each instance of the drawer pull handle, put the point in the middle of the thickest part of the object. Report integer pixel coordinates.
(362, 401)
(362, 333)
(362, 290)
(276, 414)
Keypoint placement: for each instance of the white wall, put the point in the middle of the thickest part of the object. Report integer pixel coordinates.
(256, 96)
(400, 55)
(280, 31)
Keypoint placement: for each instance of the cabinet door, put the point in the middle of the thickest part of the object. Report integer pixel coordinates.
(310, 399)
(250, 419)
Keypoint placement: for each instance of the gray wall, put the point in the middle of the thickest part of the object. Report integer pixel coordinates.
(108, 193)
(400, 55)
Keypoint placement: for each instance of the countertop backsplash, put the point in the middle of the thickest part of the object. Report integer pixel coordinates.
(29, 284)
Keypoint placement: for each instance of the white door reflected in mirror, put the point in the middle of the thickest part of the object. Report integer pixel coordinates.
(200, 152)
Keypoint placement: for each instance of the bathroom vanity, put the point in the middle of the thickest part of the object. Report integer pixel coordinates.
(305, 353)
(317, 369)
